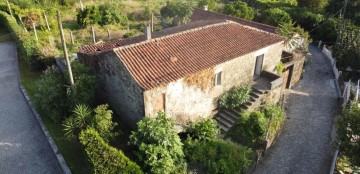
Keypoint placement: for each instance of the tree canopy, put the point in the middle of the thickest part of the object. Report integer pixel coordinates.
(239, 9)
(177, 12)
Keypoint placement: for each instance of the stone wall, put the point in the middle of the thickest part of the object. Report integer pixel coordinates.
(184, 102)
(297, 70)
(116, 86)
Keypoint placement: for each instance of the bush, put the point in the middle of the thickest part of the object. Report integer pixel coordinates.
(250, 129)
(90, 15)
(83, 118)
(348, 130)
(205, 129)
(219, 156)
(210, 3)
(235, 97)
(239, 9)
(178, 12)
(276, 116)
(158, 145)
(275, 17)
(50, 95)
(85, 86)
(104, 158)
(26, 44)
(111, 14)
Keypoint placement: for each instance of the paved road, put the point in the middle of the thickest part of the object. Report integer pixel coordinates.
(23, 146)
(304, 146)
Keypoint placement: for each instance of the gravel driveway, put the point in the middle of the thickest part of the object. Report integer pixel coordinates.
(23, 146)
(304, 145)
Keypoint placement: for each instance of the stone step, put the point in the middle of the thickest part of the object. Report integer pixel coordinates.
(232, 114)
(228, 117)
(220, 118)
(235, 111)
(222, 127)
(253, 95)
(257, 91)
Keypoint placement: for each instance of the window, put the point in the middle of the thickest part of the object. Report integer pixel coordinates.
(218, 78)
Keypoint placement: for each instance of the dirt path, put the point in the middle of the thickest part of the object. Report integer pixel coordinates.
(23, 146)
(304, 145)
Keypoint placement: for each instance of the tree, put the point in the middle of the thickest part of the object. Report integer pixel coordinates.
(348, 130)
(352, 9)
(178, 12)
(90, 15)
(315, 4)
(84, 118)
(210, 3)
(275, 17)
(158, 145)
(296, 37)
(239, 9)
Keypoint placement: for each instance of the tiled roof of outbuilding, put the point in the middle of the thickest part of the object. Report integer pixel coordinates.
(166, 59)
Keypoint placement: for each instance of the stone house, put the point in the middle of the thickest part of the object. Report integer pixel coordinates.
(183, 70)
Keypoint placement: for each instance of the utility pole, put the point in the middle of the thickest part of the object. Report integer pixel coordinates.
(93, 34)
(9, 8)
(152, 22)
(65, 51)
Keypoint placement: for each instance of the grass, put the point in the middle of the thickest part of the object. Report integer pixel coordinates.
(72, 151)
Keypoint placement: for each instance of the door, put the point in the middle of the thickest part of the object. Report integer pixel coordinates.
(159, 103)
(258, 65)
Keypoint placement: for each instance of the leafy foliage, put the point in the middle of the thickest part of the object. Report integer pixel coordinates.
(280, 67)
(347, 52)
(27, 45)
(50, 95)
(250, 129)
(239, 9)
(90, 15)
(297, 38)
(219, 156)
(111, 14)
(83, 118)
(275, 17)
(315, 4)
(178, 11)
(202, 130)
(210, 3)
(276, 116)
(348, 130)
(235, 97)
(104, 158)
(85, 86)
(158, 145)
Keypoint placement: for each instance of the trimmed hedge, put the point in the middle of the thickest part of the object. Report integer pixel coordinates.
(26, 43)
(219, 156)
(106, 159)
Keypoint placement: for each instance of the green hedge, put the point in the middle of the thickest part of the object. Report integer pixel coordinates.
(219, 156)
(25, 42)
(106, 159)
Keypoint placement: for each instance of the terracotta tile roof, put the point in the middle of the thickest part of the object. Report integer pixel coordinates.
(108, 46)
(166, 59)
(199, 15)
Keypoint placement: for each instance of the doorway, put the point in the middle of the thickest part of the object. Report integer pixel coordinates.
(258, 66)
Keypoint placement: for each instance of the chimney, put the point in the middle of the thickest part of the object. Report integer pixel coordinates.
(206, 7)
(147, 32)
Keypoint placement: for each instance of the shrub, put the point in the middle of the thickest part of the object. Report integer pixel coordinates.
(179, 12)
(26, 44)
(348, 130)
(250, 129)
(50, 95)
(90, 15)
(280, 67)
(275, 17)
(210, 3)
(85, 86)
(235, 97)
(158, 145)
(205, 129)
(276, 116)
(104, 158)
(84, 118)
(111, 14)
(219, 156)
(239, 9)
